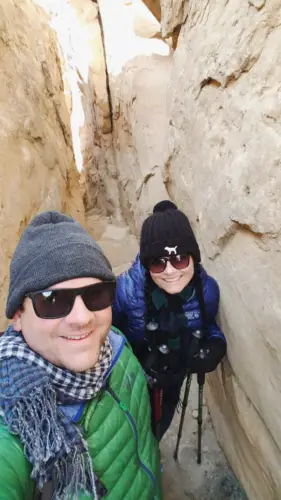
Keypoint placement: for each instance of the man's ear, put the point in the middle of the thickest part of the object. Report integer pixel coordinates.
(17, 320)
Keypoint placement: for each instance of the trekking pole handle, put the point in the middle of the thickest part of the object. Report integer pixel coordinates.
(201, 378)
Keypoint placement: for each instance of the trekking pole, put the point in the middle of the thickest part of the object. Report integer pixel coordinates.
(201, 381)
(157, 411)
(157, 392)
(184, 406)
(201, 335)
(197, 334)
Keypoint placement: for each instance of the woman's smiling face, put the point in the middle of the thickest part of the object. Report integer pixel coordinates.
(173, 280)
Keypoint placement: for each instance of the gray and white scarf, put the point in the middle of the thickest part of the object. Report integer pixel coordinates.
(30, 389)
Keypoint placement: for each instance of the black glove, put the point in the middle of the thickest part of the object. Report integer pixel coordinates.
(159, 373)
(164, 380)
(207, 359)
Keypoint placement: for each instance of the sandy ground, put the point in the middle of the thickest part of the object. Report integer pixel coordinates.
(185, 479)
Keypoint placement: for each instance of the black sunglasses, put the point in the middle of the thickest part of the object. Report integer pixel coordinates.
(58, 303)
(158, 264)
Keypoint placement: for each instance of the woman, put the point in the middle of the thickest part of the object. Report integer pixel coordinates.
(166, 304)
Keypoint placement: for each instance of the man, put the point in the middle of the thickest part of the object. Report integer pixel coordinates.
(73, 398)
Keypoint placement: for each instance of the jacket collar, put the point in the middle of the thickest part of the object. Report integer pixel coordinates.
(159, 297)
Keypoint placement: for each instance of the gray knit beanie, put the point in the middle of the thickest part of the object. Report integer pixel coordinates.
(53, 248)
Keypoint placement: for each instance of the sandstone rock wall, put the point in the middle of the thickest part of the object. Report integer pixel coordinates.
(37, 168)
(224, 152)
(205, 120)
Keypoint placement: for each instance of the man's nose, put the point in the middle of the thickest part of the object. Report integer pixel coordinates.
(79, 314)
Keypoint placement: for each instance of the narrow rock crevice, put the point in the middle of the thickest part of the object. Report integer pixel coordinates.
(106, 71)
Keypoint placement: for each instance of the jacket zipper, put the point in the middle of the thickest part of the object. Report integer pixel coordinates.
(133, 425)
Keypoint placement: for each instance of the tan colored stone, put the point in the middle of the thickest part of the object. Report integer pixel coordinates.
(173, 15)
(144, 22)
(37, 169)
(247, 442)
(119, 245)
(170, 14)
(154, 7)
(257, 3)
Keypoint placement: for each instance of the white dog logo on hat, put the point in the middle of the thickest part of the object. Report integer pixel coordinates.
(171, 250)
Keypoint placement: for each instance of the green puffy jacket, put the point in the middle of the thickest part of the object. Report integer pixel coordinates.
(117, 428)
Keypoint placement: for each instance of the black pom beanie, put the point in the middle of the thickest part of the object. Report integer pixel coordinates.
(167, 231)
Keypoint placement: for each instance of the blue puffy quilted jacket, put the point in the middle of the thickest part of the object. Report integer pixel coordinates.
(129, 304)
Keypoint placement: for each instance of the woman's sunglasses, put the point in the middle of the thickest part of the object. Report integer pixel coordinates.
(158, 265)
(58, 303)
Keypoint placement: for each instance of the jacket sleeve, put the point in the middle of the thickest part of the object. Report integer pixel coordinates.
(119, 316)
(212, 298)
(214, 331)
(15, 470)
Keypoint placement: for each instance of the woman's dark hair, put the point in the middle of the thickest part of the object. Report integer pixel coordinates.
(200, 296)
(148, 285)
